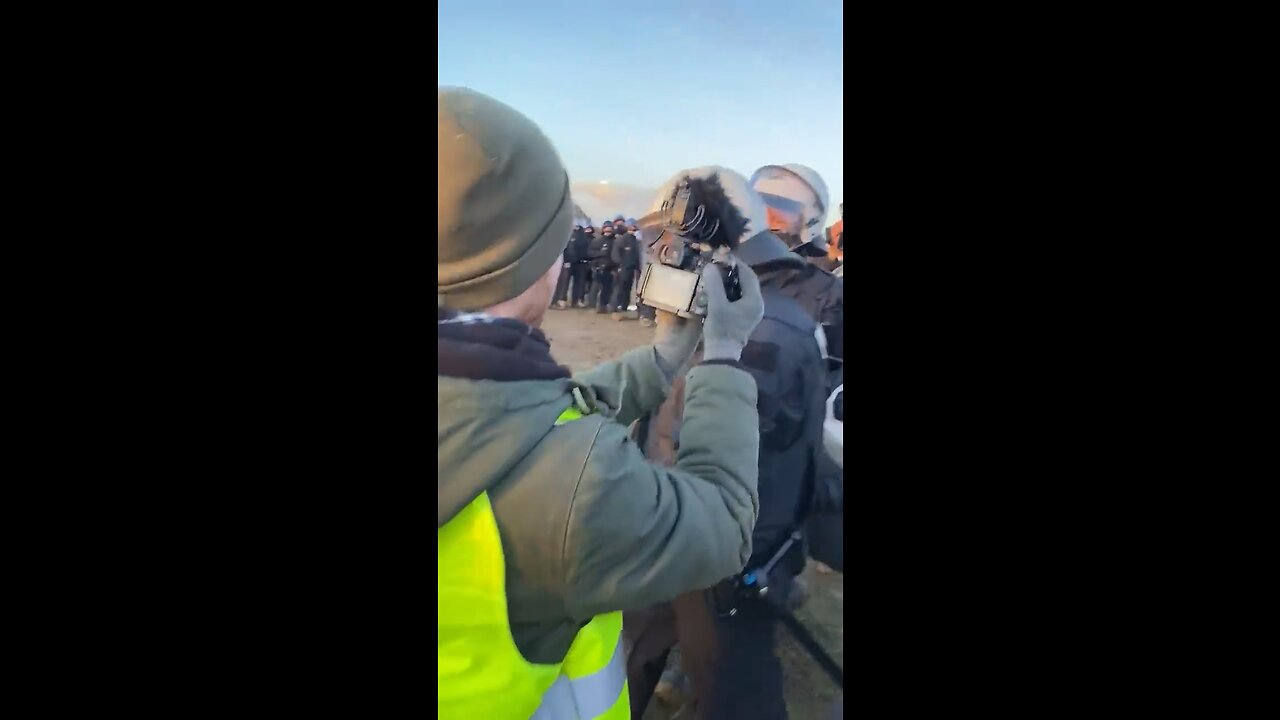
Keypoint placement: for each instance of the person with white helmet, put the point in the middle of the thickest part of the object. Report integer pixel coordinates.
(795, 198)
(726, 637)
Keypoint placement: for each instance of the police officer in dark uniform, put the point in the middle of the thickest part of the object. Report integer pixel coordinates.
(727, 636)
(581, 269)
(560, 301)
(821, 294)
(626, 258)
(600, 256)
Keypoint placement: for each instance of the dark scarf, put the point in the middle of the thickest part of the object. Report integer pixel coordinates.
(480, 347)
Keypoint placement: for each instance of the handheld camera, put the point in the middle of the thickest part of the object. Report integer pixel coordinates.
(695, 226)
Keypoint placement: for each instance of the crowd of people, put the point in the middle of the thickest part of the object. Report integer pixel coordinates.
(589, 524)
(600, 269)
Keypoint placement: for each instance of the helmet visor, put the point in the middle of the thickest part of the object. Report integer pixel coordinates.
(784, 214)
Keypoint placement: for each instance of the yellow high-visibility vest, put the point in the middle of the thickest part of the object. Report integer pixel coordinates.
(482, 675)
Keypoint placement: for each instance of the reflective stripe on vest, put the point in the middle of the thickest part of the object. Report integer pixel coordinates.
(481, 672)
(598, 694)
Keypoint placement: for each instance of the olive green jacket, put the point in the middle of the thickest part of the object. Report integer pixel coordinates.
(588, 525)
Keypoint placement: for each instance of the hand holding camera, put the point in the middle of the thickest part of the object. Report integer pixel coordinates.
(695, 282)
(729, 323)
(694, 227)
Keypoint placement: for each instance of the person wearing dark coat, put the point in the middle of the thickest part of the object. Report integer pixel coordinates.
(581, 270)
(559, 300)
(600, 258)
(626, 258)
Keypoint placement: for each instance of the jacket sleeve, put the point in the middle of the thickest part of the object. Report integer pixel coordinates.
(629, 387)
(639, 533)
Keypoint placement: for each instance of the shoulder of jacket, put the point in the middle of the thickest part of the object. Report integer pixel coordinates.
(569, 447)
(819, 276)
(603, 472)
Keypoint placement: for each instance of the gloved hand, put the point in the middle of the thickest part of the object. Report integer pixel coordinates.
(675, 339)
(729, 324)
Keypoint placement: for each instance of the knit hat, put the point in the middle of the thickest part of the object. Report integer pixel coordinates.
(503, 207)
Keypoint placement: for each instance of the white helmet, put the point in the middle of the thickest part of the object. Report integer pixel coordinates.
(736, 188)
(796, 200)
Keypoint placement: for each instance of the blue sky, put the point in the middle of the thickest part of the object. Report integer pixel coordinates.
(631, 92)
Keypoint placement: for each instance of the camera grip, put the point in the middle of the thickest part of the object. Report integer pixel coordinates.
(732, 284)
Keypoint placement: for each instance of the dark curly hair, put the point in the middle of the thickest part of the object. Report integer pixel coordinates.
(709, 193)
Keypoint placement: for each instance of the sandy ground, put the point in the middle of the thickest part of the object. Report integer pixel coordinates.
(581, 339)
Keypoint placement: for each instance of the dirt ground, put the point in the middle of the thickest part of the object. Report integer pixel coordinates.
(581, 339)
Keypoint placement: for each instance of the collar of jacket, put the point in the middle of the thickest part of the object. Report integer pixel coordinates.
(482, 347)
(765, 247)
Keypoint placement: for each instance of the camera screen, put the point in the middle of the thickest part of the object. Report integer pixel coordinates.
(669, 288)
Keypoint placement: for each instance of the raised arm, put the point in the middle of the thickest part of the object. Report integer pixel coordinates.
(640, 533)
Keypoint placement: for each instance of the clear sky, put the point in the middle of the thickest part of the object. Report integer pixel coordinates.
(630, 92)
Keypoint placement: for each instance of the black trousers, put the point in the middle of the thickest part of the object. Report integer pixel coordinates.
(622, 288)
(601, 286)
(730, 661)
(562, 284)
(581, 272)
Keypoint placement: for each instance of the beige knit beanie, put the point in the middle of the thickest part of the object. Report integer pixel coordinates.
(504, 210)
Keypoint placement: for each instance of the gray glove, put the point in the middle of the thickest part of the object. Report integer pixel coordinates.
(675, 339)
(729, 324)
